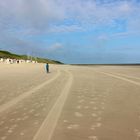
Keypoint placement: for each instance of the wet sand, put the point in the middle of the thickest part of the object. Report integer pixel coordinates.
(69, 103)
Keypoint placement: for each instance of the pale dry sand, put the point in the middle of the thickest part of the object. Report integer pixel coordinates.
(69, 103)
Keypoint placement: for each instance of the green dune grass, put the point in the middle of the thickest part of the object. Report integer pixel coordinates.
(6, 54)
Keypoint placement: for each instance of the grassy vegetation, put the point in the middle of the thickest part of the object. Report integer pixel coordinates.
(6, 54)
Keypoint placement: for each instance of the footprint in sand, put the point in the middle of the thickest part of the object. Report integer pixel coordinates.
(93, 138)
(32, 110)
(2, 122)
(14, 126)
(94, 115)
(103, 108)
(10, 131)
(95, 108)
(92, 102)
(36, 115)
(65, 121)
(18, 119)
(102, 103)
(6, 127)
(78, 107)
(96, 125)
(137, 132)
(14, 112)
(86, 107)
(81, 101)
(44, 109)
(22, 134)
(99, 119)
(25, 117)
(80, 96)
(36, 122)
(73, 126)
(3, 138)
(77, 114)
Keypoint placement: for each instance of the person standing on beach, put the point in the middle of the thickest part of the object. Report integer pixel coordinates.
(47, 67)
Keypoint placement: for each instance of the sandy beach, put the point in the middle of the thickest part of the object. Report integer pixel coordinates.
(69, 103)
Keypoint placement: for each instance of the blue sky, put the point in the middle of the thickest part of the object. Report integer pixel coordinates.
(72, 31)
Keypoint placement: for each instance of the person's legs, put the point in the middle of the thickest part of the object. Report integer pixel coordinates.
(47, 70)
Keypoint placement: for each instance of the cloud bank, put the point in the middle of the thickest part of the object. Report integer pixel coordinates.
(23, 20)
(45, 14)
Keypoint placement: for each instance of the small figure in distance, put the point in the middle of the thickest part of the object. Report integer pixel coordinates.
(47, 67)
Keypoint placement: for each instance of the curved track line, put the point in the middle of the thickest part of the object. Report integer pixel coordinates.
(46, 130)
(26, 94)
(127, 76)
(122, 78)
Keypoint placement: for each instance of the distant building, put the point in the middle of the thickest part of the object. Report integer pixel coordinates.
(1, 60)
(15, 61)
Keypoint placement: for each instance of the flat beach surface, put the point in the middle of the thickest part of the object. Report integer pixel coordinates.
(69, 103)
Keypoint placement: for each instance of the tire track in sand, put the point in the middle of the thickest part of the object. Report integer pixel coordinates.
(47, 128)
(26, 94)
(121, 78)
(124, 75)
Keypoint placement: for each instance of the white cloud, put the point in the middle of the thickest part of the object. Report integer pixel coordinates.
(21, 18)
(102, 37)
(38, 14)
(124, 34)
(55, 47)
(65, 28)
(55, 51)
